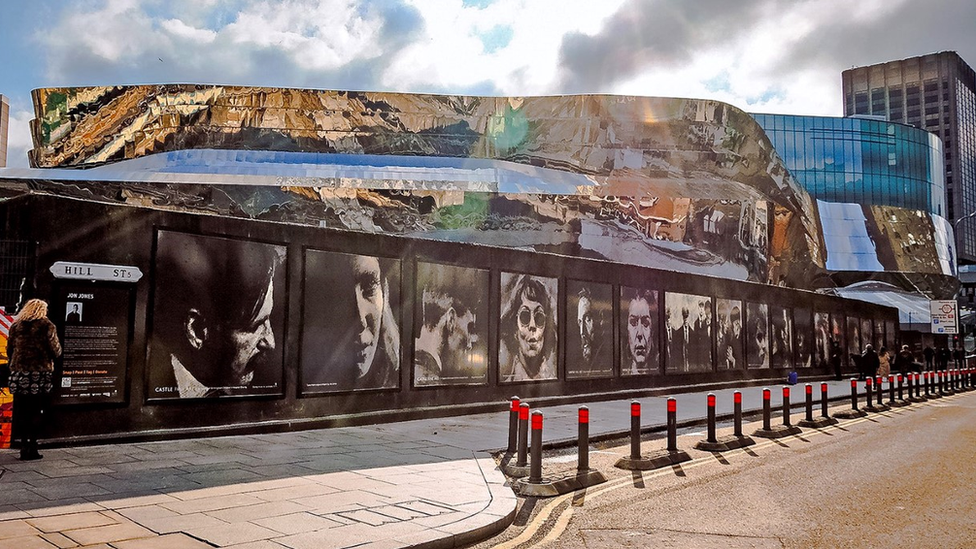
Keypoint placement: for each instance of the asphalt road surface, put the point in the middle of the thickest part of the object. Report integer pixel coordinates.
(903, 478)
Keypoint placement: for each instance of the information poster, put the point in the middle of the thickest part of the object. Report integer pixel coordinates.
(94, 331)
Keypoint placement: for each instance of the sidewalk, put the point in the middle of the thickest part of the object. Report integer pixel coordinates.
(417, 483)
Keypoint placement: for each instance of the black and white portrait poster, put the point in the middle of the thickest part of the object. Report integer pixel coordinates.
(639, 332)
(757, 315)
(867, 333)
(527, 328)
(803, 336)
(351, 322)
(731, 341)
(781, 337)
(451, 341)
(822, 339)
(218, 317)
(837, 333)
(891, 336)
(688, 326)
(853, 336)
(589, 334)
(879, 337)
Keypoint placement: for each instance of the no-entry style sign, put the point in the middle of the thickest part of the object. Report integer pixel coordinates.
(945, 317)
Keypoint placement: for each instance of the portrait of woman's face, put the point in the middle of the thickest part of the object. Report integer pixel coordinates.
(369, 305)
(531, 320)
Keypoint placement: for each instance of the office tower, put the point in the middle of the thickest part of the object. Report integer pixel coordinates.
(4, 116)
(936, 92)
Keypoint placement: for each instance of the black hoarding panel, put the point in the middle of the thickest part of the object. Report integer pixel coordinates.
(218, 318)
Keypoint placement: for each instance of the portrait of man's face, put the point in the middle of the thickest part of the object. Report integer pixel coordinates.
(217, 325)
(584, 318)
(368, 288)
(461, 336)
(639, 329)
(251, 345)
(531, 318)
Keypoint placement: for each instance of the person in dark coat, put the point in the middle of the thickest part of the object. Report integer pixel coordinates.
(929, 354)
(870, 361)
(959, 357)
(32, 347)
(835, 359)
(942, 357)
(904, 360)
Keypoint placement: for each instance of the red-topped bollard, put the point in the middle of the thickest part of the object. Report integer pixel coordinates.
(523, 443)
(767, 426)
(869, 393)
(672, 425)
(823, 400)
(737, 413)
(853, 394)
(583, 450)
(635, 421)
(513, 419)
(808, 389)
(891, 389)
(786, 406)
(535, 468)
(710, 405)
(877, 387)
(901, 386)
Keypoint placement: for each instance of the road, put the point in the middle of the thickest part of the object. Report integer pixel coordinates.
(902, 478)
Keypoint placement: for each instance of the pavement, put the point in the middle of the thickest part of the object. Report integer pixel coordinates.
(426, 483)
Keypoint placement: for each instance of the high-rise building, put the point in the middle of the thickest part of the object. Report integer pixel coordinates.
(4, 116)
(935, 92)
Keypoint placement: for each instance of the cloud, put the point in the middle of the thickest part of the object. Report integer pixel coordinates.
(281, 43)
(19, 138)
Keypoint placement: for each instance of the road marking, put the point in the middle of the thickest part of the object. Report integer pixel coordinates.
(562, 520)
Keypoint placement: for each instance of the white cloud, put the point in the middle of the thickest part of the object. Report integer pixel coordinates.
(182, 30)
(451, 54)
(19, 138)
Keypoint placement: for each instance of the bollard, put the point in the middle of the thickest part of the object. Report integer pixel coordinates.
(823, 400)
(583, 450)
(672, 425)
(786, 406)
(766, 423)
(891, 389)
(878, 380)
(911, 389)
(901, 381)
(513, 421)
(925, 377)
(809, 394)
(523, 443)
(918, 386)
(535, 468)
(853, 394)
(635, 420)
(710, 402)
(869, 393)
(737, 412)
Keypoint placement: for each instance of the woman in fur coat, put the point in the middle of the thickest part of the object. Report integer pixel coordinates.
(32, 347)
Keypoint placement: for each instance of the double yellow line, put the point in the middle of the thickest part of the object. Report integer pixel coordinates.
(562, 520)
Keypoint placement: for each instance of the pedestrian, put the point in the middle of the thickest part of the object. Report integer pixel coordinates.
(958, 356)
(32, 347)
(835, 359)
(884, 362)
(870, 362)
(942, 357)
(904, 360)
(929, 354)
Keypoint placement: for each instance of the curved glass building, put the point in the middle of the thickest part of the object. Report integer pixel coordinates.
(862, 161)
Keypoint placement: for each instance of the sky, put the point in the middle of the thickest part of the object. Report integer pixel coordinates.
(772, 56)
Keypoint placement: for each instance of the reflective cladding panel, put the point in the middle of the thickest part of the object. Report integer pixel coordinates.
(864, 161)
(849, 246)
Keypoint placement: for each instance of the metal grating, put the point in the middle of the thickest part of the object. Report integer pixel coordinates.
(16, 271)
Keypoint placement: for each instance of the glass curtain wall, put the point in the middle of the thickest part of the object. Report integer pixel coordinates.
(860, 161)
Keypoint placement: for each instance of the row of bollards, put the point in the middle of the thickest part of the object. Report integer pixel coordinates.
(528, 458)
(936, 384)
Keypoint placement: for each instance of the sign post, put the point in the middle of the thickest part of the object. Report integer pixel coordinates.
(945, 316)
